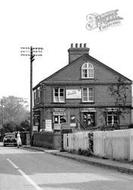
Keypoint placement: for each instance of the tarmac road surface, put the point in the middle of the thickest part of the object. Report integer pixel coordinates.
(25, 169)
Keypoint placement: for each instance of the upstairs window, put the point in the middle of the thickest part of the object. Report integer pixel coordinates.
(87, 95)
(87, 71)
(37, 95)
(58, 95)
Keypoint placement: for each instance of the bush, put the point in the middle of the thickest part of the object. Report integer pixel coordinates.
(84, 152)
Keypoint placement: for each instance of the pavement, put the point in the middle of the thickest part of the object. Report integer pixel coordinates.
(121, 166)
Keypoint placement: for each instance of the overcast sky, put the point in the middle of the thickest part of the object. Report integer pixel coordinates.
(54, 25)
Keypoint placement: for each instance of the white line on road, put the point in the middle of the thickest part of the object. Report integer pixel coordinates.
(24, 175)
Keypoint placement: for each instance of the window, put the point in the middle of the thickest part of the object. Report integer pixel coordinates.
(58, 119)
(37, 95)
(87, 70)
(58, 95)
(112, 118)
(87, 95)
(88, 119)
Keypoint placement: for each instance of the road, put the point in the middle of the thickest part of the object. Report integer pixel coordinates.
(22, 169)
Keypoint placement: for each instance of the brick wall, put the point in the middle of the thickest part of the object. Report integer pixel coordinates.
(47, 140)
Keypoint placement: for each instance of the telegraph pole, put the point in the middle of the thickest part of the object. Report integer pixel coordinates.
(31, 52)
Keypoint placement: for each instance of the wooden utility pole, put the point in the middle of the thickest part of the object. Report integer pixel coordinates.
(31, 52)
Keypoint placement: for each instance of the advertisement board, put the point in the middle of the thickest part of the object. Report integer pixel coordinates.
(73, 93)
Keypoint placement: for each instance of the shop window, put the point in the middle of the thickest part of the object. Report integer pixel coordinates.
(87, 71)
(59, 95)
(112, 118)
(59, 119)
(56, 119)
(87, 95)
(88, 119)
(62, 119)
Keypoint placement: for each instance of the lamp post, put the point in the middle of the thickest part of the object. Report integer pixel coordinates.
(31, 52)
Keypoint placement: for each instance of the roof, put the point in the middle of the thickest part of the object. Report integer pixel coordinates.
(45, 81)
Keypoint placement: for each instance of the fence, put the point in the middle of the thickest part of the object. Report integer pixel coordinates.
(117, 144)
(76, 141)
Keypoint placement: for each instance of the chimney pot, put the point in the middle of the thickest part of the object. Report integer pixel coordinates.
(76, 45)
(71, 45)
(85, 45)
(80, 45)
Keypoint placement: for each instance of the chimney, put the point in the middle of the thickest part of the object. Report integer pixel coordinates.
(76, 51)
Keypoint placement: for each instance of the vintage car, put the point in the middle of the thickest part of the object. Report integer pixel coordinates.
(9, 139)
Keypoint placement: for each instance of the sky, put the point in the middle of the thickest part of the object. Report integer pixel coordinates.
(54, 25)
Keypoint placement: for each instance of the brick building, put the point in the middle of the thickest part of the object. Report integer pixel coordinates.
(85, 94)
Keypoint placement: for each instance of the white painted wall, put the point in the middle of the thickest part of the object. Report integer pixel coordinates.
(76, 141)
(112, 144)
(117, 144)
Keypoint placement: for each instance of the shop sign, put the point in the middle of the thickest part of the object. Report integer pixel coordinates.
(58, 110)
(59, 113)
(73, 93)
(89, 110)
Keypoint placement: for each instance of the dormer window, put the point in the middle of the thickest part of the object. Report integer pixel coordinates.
(87, 71)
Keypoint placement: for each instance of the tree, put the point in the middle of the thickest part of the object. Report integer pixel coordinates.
(118, 92)
(25, 125)
(13, 111)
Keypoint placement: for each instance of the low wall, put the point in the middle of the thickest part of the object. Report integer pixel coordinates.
(117, 144)
(47, 140)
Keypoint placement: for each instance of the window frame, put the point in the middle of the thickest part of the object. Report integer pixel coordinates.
(89, 117)
(88, 70)
(113, 115)
(89, 100)
(59, 119)
(59, 92)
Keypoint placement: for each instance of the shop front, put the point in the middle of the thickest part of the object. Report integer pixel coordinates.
(73, 119)
(61, 119)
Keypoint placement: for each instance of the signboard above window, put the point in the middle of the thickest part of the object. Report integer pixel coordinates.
(73, 93)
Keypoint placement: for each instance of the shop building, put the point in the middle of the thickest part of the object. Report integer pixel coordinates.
(79, 96)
